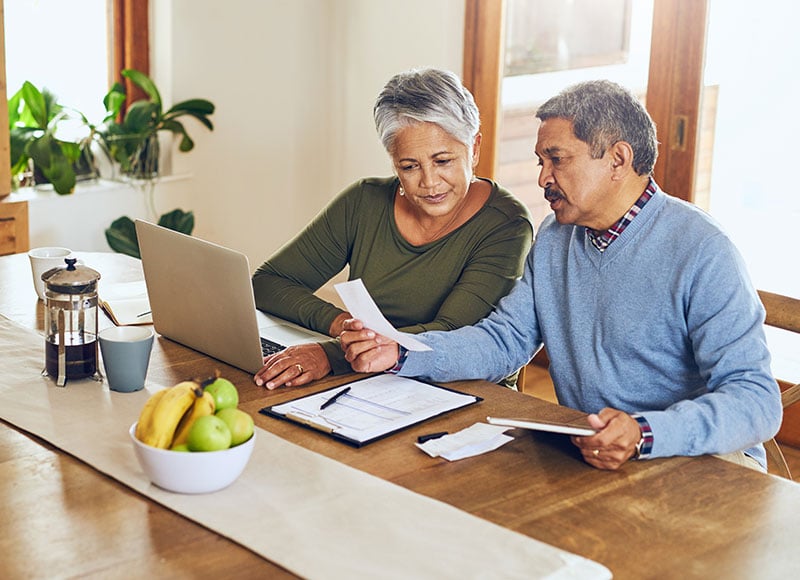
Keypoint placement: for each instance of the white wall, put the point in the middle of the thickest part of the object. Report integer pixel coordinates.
(293, 82)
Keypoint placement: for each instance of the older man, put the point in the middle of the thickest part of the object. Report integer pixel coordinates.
(651, 323)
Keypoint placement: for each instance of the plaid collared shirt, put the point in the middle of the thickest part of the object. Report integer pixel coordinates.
(602, 239)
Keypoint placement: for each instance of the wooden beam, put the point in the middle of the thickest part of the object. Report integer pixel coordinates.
(5, 144)
(674, 88)
(483, 72)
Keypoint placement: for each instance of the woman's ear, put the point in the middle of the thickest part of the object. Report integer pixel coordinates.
(476, 151)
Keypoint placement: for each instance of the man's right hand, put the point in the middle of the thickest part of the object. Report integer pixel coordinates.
(365, 350)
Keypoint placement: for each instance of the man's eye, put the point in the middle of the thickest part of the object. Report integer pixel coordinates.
(555, 160)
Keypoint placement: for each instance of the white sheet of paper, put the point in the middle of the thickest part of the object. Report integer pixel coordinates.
(474, 440)
(361, 305)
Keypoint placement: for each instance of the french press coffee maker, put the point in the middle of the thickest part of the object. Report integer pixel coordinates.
(70, 322)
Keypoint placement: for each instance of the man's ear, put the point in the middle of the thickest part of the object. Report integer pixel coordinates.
(621, 156)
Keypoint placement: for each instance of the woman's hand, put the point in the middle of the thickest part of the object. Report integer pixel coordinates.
(615, 440)
(294, 366)
(366, 351)
(337, 326)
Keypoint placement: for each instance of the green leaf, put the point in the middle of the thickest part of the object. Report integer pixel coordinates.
(176, 127)
(142, 117)
(113, 102)
(178, 220)
(13, 108)
(121, 237)
(192, 107)
(35, 103)
(145, 83)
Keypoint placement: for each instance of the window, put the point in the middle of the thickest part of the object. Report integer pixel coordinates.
(565, 34)
(62, 46)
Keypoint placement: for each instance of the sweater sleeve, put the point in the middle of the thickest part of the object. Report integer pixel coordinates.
(492, 349)
(741, 405)
(285, 284)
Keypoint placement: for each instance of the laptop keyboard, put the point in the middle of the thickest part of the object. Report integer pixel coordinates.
(268, 347)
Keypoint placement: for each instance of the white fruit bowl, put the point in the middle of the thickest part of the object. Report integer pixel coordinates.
(187, 472)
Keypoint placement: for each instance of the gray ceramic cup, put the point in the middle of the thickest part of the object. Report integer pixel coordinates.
(126, 356)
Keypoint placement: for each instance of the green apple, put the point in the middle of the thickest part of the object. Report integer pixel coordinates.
(239, 423)
(209, 433)
(224, 392)
(180, 447)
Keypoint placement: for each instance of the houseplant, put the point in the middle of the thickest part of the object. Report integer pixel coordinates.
(34, 118)
(132, 141)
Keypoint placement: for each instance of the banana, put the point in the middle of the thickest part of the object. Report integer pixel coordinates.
(159, 430)
(147, 413)
(201, 406)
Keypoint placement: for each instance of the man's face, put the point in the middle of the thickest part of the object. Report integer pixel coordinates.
(577, 186)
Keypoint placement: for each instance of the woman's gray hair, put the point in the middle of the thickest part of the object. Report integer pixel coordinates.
(426, 96)
(603, 113)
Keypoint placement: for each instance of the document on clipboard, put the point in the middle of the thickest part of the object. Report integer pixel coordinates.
(372, 408)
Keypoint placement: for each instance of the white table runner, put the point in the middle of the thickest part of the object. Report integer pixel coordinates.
(301, 510)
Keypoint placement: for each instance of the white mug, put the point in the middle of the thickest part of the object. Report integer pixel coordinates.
(42, 260)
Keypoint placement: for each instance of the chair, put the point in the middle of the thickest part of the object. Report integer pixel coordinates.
(783, 312)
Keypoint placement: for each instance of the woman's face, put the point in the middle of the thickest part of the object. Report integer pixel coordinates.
(435, 169)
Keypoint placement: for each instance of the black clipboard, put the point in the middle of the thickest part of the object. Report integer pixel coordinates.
(390, 427)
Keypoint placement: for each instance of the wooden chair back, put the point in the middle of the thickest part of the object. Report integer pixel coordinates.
(783, 312)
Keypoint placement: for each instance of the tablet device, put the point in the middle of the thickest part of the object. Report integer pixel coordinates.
(541, 425)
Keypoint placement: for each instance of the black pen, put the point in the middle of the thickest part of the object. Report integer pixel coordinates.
(424, 438)
(332, 400)
(143, 314)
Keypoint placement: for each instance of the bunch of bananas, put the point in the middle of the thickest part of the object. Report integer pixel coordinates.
(168, 414)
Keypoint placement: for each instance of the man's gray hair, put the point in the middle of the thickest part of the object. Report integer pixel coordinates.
(603, 113)
(426, 95)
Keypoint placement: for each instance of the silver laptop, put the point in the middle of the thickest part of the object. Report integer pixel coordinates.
(201, 296)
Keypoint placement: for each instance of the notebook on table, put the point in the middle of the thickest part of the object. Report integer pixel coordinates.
(201, 296)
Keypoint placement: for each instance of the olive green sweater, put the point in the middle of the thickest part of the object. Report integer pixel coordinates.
(451, 282)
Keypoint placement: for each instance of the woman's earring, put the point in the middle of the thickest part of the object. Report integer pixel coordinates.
(401, 191)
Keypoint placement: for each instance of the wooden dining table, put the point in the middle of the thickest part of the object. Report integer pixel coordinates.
(682, 517)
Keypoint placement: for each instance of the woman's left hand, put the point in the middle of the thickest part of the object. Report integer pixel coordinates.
(294, 366)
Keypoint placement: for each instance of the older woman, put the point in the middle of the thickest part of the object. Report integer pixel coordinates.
(435, 246)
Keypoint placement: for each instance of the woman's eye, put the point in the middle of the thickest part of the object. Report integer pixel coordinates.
(443, 161)
(407, 167)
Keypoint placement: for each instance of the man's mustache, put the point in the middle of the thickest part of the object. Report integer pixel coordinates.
(552, 195)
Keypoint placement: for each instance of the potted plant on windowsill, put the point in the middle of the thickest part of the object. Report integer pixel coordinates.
(132, 141)
(35, 118)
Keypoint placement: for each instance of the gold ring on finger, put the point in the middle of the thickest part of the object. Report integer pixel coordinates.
(596, 452)
(300, 369)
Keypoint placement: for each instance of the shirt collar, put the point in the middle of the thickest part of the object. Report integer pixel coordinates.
(601, 239)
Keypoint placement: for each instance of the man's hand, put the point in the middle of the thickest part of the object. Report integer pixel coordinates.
(615, 440)
(366, 351)
(294, 366)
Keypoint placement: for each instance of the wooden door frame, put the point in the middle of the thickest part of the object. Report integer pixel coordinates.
(673, 91)
(483, 73)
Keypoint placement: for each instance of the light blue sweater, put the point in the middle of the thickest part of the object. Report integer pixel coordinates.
(665, 322)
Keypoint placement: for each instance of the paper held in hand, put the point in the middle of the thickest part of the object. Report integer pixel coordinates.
(361, 306)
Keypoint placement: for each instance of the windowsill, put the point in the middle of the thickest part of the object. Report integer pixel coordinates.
(78, 221)
(89, 187)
